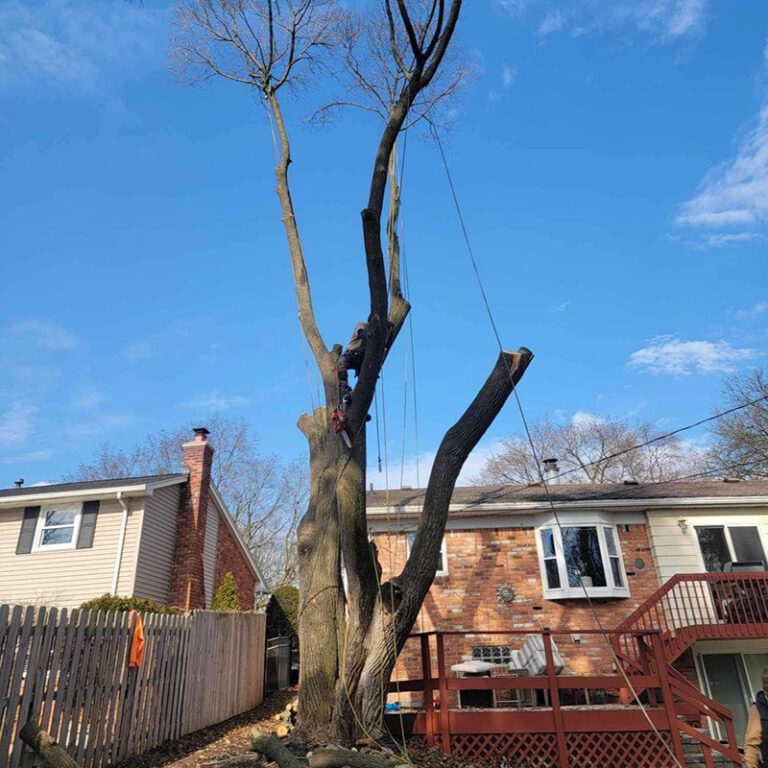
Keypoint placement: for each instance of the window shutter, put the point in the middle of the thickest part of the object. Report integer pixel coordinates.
(87, 524)
(28, 528)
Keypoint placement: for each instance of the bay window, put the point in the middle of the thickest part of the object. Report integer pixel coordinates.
(575, 558)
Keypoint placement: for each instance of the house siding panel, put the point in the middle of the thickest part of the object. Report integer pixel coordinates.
(71, 576)
(677, 552)
(154, 565)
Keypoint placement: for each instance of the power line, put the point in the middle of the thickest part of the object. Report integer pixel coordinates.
(533, 450)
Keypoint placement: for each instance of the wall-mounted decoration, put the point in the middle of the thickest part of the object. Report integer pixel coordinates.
(505, 594)
(639, 563)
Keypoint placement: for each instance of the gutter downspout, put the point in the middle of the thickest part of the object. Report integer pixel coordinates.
(120, 542)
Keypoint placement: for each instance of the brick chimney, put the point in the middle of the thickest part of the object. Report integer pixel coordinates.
(187, 585)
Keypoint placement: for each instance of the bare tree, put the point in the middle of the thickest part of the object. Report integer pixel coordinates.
(264, 495)
(591, 450)
(349, 646)
(741, 439)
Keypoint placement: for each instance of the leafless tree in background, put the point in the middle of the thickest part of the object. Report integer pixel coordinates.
(740, 446)
(265, 495)
(585, 452)
(349, 639)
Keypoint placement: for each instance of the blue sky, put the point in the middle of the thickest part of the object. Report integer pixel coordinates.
(611, 159)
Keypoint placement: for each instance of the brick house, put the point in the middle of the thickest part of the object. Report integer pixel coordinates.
(169, 538)
(648, 556)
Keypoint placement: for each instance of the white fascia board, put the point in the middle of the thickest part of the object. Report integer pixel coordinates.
(127, 491)
(230, 521)
(88, 494)
(501, 508)
(516, 520)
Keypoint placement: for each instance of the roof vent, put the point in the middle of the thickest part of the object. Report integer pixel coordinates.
(18, 482)
(630, 482)
(731, 479)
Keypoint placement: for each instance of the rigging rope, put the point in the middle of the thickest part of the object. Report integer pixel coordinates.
(543, 480)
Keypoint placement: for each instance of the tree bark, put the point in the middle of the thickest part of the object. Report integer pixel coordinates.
(270, 746)
(46, 746)
(337, 758)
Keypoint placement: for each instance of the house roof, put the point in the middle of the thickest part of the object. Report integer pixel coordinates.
(511, 496)
(88, 485)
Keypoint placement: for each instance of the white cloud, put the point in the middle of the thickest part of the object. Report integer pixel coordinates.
(553, 21)
(586, 419)
(472, 468)
(154, 345)
(754, 313)
(87, 398)
(508, 75)
(670, 355)
(30, 456)
(45, 335)
(16, 422)
(214, 401)
(734, 194)
(102, 422)
(560, 307)
(661, 20)
(77, 47)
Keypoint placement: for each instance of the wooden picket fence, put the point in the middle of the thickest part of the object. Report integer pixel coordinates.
(68, 671)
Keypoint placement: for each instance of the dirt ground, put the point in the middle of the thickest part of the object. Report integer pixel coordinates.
(231, 738)
(218, 741)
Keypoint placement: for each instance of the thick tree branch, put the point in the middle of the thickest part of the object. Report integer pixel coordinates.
(461, 438)
(300, 278)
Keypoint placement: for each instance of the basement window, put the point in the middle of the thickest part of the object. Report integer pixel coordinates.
(581, 560)
(442, 566)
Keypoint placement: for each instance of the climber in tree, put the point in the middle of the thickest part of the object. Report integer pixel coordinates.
(351, 358)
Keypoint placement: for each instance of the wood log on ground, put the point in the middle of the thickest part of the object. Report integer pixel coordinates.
(246, 760)
(282, 731)
(270, 746)
(338, 758)
(46, 746)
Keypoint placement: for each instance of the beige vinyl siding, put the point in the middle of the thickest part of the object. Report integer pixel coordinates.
(209, 552)
(66, 577)
(677, 552)
(154, 565)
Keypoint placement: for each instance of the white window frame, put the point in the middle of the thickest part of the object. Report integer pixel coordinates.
(443, 552)
(574, 593)
(38, 546)
(724, 522)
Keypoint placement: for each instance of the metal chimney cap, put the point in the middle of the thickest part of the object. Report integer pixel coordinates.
(18, 482)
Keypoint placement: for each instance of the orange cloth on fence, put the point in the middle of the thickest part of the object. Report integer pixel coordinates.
(136, 654)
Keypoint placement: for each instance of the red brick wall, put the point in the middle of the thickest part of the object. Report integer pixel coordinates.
(481, 560)
(187, 585)
(229, 557)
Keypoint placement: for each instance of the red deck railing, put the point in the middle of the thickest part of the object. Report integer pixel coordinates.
(552, 734)
(699, 606)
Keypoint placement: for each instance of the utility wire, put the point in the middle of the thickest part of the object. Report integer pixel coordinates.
(593, 610)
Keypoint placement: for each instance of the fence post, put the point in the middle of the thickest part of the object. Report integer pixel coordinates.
(426, 673)
(445, 724)
(666, 695)
(554, 696)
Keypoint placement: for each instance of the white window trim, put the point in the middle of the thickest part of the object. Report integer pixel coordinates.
(574, 593)
(724, 522)
(443, 550)
(38, 546)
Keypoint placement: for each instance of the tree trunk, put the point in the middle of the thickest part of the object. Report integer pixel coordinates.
(321, 606)
(350, 642)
